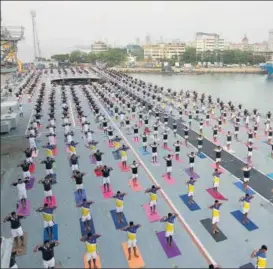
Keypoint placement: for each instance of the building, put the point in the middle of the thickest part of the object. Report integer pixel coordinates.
(98, 47)
(148, 40)
(209, 42)
(270, 40)
(163, 51)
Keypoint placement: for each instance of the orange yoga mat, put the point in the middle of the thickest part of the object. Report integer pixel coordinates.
(134, 262)
(86, 265)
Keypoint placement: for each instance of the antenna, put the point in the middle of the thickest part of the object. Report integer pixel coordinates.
(36, 43)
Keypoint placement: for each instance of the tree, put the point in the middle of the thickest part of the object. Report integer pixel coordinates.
(189, 55)
(60, 57)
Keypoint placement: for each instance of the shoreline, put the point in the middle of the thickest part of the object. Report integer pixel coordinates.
(195, 71)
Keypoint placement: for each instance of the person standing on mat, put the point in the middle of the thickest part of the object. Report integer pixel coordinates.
(135, 129)
(191, 160)
(134, 168)
(123, 153)
(186, 134)
(106, 178)
(177, 149)
(165, 138)
(154, 151)
(174, 124)
(218, 153)
(74, 162)
(25, 167)
(153, 197)
(216, 180)
(28, 153)
(131, 230)
(144, 141)
(215, 215)
(78, 177)
(215, 133)
(16, 228)
(86, 215)
(48, 218)
(72, 147)
(155, 130)
(246, 206)
(190, 184)
(236, 131)
(229, 139)
(110, 133)
(91, 248)
(249, 151)
(260, 254)
(98, 157)
(169, 229)
(246, 171)
(119, 205)
(22, 191)
(48, 165)
(47, 253)
(200, 143)
(47, 184)
(168, 160)
(270, 134)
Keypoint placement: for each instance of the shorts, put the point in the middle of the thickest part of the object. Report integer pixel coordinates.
(215, 220)
(22, 194)
(132, 243)
(154, 154)
(49, 264)
(249, 154)
(216, 184)
(48, 223)
(228, 142)
(155, 132)
(186, 137)
(169, 169)
(218, 160)
(124, 158)
(168, 234)
(91, 255)
(270, 137)
(144, 144)
(249, 139)
(74, 167)
(190, 193)
(110, 137)
(49, 171)
(106, 180)
(246, 179)
(201, 127)
(26, 174)
(48, 193)
(17, 232)
(165, 141)
(191, 165)
(236, 132)
(84, 218)
(245, 210)
(14, 266)
(79, 186)
(99, 163)
(30, 160)
(199, 146)
(32, 144)
(153, 203)
(134, 175)
(119, 209)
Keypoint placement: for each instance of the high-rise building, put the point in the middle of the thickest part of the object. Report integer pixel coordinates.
(98, 47)
(209, 42)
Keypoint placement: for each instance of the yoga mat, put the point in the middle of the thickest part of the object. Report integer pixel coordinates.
(55, 233)
(51, 203)
(151, 217)
(110, 145)
(118, 225)
(166, 148)
(30, 184)
(97, 172)
(55, 151)
(169, 180)
(32, 168)
(218, 237)
(247, 266)
(98, 262)
(192, 174)
(134, 262)
(240, 185)
(231, 151)
(155, 163)
(116, 155)
(171, 251)
(91, 225)
(144, 153)
(107, 195)
(137, 187)
(35, 155)
(24, 211)
(135, 140)
(54, 178)
(220, 169)
(191, 207)
(22, 250)
(127, 169)
(216, 195)
(249, 225)
(78, 198)
(177, 160)
(92, 159)
(201, 155)
(270, 175)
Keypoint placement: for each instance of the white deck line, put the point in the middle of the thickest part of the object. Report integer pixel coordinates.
(72, 115)
(30, 117)
(198, 243)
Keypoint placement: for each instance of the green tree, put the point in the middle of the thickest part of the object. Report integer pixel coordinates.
(189, 55)
(60, 57)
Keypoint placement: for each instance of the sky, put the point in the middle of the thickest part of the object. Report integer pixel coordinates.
(62, 25)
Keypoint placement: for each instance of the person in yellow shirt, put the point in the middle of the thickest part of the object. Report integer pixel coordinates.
(91, 248)
(86, 216)
(246, 206)
(131, 230)
(153, 198)
(169, 229)
(216, 180)
(261, 256)
(215, 215)
(190, 184)
(123, 154)
(119, 205)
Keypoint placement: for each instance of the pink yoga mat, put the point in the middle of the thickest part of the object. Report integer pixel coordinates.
(220, 169)
(51, 203)
(107, 195)
(127, 169)
(168, 180)
(151, 217)
(24, 211)
(32, 168)
(110, 145)
(137, 187)
(155, 164)
(35, 155)
(166, 148)
(216, 195)
(135, 140)
(67, 150)
(178, 160)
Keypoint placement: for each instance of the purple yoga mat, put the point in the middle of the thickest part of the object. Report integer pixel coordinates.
(29, 185)
(92, 159)
(23, 211)
(192, 174)
(172, 251)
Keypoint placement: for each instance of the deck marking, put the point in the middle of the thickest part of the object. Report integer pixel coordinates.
(72, 115)
(190, 232)
(30, 117)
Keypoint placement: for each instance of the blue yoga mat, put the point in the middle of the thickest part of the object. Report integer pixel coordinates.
(270, 175)
(55, 233)
(250, 226)
(91, 225)
(201, 155)
(240, 185)
(191, 207)
(118, 225)
(116, 155)
(247, 266)
(78, 198)
(54, 178)
(144, 153)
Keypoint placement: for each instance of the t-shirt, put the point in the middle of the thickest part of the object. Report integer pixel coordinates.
(15, 222)
(47, 253)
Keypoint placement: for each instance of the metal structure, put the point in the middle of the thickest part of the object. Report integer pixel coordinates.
(36, 43)
(10, 36)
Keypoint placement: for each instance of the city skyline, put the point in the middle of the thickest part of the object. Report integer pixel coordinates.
(160, 20)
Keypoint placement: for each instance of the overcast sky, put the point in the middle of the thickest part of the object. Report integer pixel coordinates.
(62, 25)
